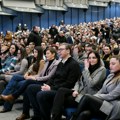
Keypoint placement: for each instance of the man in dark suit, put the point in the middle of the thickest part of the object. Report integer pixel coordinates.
(67, 73)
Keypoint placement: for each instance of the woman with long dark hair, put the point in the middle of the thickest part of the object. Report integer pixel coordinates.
(105, 104)
(107, 55)
(9, 63)
(90, 82)
(37, 62)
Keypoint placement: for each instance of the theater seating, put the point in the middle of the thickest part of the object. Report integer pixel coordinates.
(68, 111)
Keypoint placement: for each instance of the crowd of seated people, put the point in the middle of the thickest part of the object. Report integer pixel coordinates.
(89, 83)
(64, 66)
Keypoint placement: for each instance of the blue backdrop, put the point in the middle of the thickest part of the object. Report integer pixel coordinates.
(72, 16)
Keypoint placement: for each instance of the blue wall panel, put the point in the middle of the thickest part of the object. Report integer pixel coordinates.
(68, 16)
(0, 23)
(35, 20)
(27, 19)
(88, 15)
(52, 17)
(81, 16)
(71, 16)
(18, 19)
(112, 10)
(117, 10)
(107, 12)
(101, 14)
(75, 16)
(94, 13)
(45, 19)
(59, 16)
(7, 23)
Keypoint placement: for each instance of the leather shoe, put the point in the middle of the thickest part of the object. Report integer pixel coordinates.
(8, 98)
(23, 117)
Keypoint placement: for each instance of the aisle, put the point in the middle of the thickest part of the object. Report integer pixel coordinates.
(16, 111)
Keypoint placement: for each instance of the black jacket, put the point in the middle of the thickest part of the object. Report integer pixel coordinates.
(66, 75)
(34, 37)
(60, 39)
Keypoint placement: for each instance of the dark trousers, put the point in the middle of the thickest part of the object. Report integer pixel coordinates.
(45, 100)
(26, 101)
(31, 92)
(41, 101)
(88, 107)
(63, 99)
(26, 104)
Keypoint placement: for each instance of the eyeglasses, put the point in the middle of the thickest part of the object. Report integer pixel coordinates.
(61, 49)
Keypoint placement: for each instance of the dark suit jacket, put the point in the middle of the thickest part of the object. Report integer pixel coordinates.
(66, 75)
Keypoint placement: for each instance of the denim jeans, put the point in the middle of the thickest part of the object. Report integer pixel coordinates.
(13, 85)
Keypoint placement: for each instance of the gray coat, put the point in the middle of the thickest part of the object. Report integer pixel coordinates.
(90, 84)
(50, 71)
(110, 93)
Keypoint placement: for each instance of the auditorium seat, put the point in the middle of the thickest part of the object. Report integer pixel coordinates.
(69, 111)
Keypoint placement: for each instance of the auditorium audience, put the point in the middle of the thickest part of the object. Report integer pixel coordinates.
(93, 75)
(46, 74)
(66, 74)
(102, 36)
(20, 68)
(18, 80)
